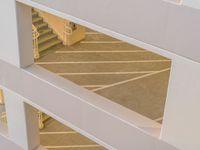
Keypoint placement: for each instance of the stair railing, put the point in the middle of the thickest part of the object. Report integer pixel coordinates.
(1, 97)
(3, 114)
(35, 35)
(40, 120)
(67, 32)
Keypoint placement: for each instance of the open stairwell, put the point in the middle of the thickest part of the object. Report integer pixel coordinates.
(47, 38)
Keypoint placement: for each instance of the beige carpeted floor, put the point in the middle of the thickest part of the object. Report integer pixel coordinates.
(123, 73)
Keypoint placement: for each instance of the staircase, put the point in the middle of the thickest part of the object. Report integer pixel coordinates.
(47, 38)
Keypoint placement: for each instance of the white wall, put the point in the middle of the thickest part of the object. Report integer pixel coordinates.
(22, 121)
(181, 125)
(8, 51)
(171, 27)
(12, 48)
(7, 144)
(159, 23)
(192, 3)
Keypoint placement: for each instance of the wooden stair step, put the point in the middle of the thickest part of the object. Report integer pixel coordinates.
(41, 25)
(37, 19)
(45, 31)
(34, 13)
(49, 44)
(46, 38)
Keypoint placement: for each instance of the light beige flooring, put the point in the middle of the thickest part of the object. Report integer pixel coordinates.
(123, 73)
(56, 136)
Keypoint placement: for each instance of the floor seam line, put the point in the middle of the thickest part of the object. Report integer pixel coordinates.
(101, 42)
(73, 146)
(113, 51)
(101, 62)
(133, 79)
(49, 133)
(104, 73)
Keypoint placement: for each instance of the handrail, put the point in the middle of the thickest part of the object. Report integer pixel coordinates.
(35, 35)
(3, 116)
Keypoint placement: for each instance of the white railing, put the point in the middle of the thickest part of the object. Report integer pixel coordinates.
(3, 116)
(41, 119)
(35, 35)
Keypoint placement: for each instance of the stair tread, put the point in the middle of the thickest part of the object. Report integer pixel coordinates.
(41, 25)
(46, 38)
(37, 19)
(45, 31)
(34, 13)
(49, 44)
(45, 117)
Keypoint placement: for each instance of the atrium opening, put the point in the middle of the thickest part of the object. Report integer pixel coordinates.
(121, 72)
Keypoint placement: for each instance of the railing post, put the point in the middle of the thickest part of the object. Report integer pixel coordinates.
(22, 120)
